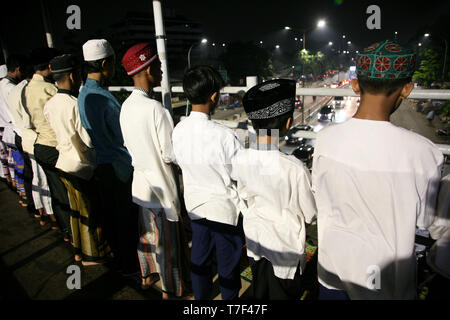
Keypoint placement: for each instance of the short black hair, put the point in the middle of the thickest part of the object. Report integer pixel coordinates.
(200, 82)
(381, 86)
(15, 61)
(96, 65)
(60, 76)
(276, 123)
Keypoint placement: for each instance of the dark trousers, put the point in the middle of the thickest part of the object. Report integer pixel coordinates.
(331, 294)
(47, 156)
(118, 217)
(27, 174)
(227, 241)
(265, 285)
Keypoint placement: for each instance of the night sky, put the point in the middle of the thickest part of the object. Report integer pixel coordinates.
(226, 21)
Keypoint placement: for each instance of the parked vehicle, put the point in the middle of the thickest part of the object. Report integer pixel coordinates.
(292, 136)
(305, 154)
(326, 113)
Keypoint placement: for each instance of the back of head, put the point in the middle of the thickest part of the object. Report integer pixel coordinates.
(270, 104)
(15, 61)
(200, 82)
(94, 52)
(61, 66)
(384, 67)
(40, 57)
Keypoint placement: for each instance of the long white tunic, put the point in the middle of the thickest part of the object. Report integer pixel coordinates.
(5, 114)
(373, 183)
(277, 189)
(147, 128)
(204, 149)
(76, 153)
(22, 120)
(439, 257)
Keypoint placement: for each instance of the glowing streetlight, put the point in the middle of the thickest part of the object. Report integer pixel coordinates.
(343, 36)
(287, 28)
(330, 43)
(321, 23)
(260, 42)
(419, 44)
(213, 44)
(277, 46)
(204, 40)
(427, 35)
(223, 44)
(349, 42)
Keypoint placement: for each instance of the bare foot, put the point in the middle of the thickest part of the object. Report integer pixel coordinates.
(149, 281)
(78, 258)
(90, 263)
(165, 296)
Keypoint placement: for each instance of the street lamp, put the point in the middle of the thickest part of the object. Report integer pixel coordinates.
(330, 43)
(277, 46)
(349, 42)
(321, 23)
(426, 35)
(204, 40)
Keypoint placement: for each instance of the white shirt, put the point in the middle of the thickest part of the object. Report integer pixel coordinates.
(203, 149)
(277, 189)
(147, 129)
(439, 256)
(76, 153)
(373, 183)
(5, 88)
(22, 120)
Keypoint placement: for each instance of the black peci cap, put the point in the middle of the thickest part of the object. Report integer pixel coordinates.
(64, 63)
(269, 99)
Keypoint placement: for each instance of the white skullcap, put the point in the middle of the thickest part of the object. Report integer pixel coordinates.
(97, 49)
(3, 71)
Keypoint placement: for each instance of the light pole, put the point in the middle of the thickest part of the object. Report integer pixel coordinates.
(320, 24)
(204, 40)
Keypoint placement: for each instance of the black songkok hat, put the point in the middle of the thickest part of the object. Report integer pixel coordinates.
(64, 63)
(270, 99)
(42, 56)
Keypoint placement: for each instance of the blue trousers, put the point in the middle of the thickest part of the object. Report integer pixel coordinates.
(227, 240)
(330, 294)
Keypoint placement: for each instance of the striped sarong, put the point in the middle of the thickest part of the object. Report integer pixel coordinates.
(88, 240)
(4, 152)
(18, 173)
(159, 249)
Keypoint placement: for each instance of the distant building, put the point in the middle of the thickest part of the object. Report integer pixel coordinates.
(181, 33)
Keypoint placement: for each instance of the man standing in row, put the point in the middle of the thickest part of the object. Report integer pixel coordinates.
(37, 93)
(99, 113)
(147, 129)
(76, 161)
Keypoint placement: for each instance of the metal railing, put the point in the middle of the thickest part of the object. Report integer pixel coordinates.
(438, 94)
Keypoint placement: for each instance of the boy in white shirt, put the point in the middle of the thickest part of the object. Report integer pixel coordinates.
(373, 184)
(203, 149)
(277, 189)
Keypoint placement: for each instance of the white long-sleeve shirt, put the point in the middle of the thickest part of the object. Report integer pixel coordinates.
(373, 183)
(22, 123)
(204, 149)
(147, 129)
(76, 153)
(277, 189)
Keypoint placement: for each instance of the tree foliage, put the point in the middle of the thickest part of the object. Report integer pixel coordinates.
(430, 68)
(315, 64)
